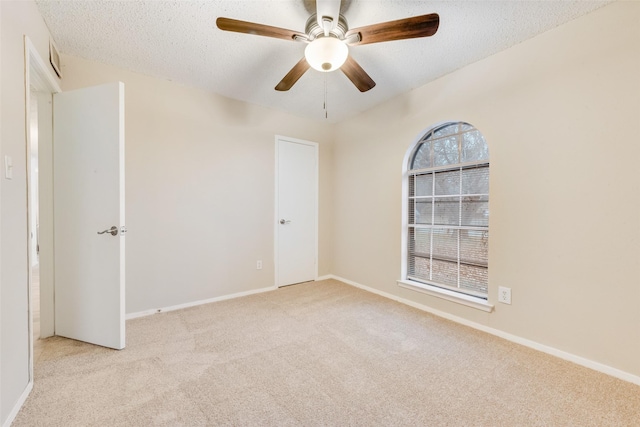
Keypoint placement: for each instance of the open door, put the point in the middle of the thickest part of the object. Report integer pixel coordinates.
(88, 158)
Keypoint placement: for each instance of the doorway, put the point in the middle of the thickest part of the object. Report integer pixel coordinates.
(89, 291)
(34, 216)
(39, 88)
(296, 235)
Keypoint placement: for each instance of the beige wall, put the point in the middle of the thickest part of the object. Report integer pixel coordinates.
(200, 187)
(18, 19)
(559, 113)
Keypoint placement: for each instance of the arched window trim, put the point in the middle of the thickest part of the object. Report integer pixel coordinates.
(458, 297)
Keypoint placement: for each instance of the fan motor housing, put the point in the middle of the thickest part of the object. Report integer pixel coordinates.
(314, 30)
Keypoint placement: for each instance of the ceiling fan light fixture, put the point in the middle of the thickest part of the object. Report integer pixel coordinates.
(326, 54)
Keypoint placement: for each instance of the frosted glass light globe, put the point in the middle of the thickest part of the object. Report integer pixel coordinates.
(326, 54)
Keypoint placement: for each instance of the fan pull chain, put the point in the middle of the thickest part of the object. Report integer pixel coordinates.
(326, 113)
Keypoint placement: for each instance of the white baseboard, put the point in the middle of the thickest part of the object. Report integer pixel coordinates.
(14, 412)
(596, 366)
(206, 301)
(200, 302)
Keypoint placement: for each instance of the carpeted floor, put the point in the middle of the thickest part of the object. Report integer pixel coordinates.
(320, 353)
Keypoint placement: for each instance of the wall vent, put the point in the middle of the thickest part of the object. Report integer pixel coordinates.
(54, 58)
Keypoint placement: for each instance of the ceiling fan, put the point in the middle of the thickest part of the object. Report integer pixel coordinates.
(328, 37)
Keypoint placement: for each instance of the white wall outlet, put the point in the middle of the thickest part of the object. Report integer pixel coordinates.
(504, 295)
(259, 265)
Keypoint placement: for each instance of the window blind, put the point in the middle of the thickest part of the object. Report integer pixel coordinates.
(448, 211)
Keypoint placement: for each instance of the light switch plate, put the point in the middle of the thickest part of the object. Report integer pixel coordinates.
(8, 167)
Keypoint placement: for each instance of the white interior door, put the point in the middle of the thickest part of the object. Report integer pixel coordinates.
(88, 158)
(296, 211)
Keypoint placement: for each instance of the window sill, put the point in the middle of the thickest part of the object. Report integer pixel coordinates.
(469, 301)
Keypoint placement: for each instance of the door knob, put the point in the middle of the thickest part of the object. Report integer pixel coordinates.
(113, 231)
(285, 221)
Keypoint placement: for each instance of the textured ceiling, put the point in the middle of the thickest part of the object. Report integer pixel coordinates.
(178, 41)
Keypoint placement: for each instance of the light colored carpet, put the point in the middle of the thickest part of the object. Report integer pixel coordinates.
(320, 353)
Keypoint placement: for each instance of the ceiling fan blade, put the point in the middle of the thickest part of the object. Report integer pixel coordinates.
(357, 75)
(292, 76)
(328, 9)
(228, 24)
(408, 28)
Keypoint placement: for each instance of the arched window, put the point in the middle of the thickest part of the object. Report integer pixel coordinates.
(447, 215)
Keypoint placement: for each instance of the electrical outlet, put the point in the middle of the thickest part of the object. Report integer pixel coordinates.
(504, 295)
(259, 265)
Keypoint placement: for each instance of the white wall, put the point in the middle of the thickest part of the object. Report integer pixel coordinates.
(559, 113)
(18, 19)
(200, 187)
(2, 418)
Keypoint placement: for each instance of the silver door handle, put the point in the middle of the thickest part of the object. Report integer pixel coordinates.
(113, 231)
(285, 221)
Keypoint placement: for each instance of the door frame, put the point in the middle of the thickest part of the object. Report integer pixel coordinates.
(38, 76)
(276, 228)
